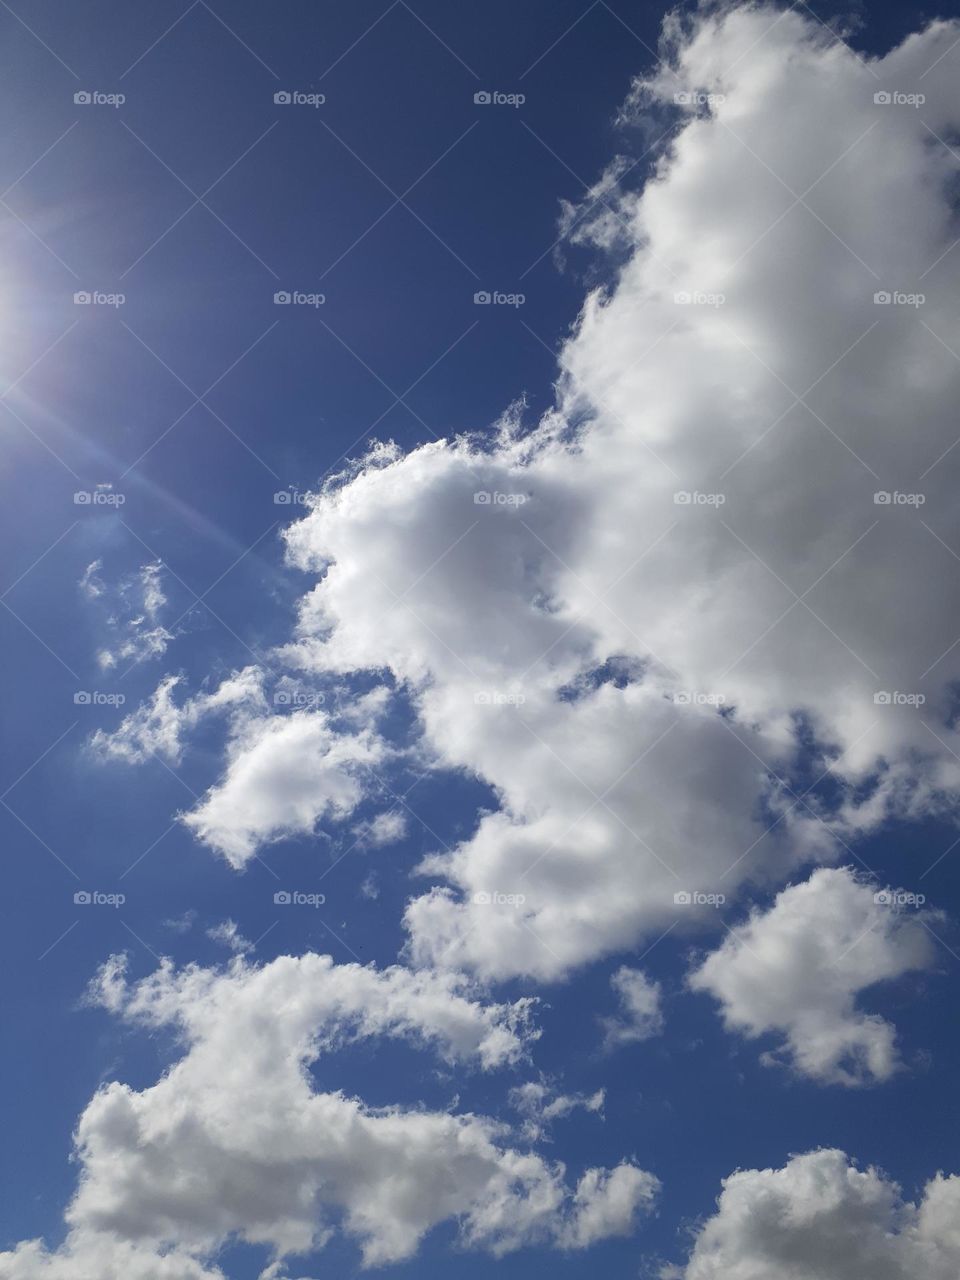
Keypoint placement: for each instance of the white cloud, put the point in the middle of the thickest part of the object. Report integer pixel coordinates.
(641, 1016)
(322, 997)
(500, 620)
(236, 1140)
(284, 771)
(799, 967)
(627, 623)
(154, 597)
(85, 1255)
(822, 1216)
(284, 774)
(134, 606)
(155, 727)
(539, 1104)
(91, 584)
(228, 934)
(385, 828)
(276, 1271)
(632, 673)
(608, 1203)
(182, 923)
(158, 727)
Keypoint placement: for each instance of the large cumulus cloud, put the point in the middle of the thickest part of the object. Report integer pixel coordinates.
(822, 1216)
(653, 624)
(682, 578)
(645, 622)
(237, 1140)
(798, 969)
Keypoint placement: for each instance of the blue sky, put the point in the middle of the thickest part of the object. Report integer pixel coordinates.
(185, 408)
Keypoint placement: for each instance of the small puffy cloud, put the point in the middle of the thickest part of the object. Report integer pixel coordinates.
(556, 877)
(132, 610)
(153, 594)
(228, 935)
(182, 923)
(284, 773)
(640, 1017)
(277, 1271)
(154, 728)
(821, 1216)
(158, 727)
(91, 584)
(539, 1105)
(385, 828)
(798, 969)
(236, 1141)
(441, 1009)
(608, 1203)
(597, 219)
